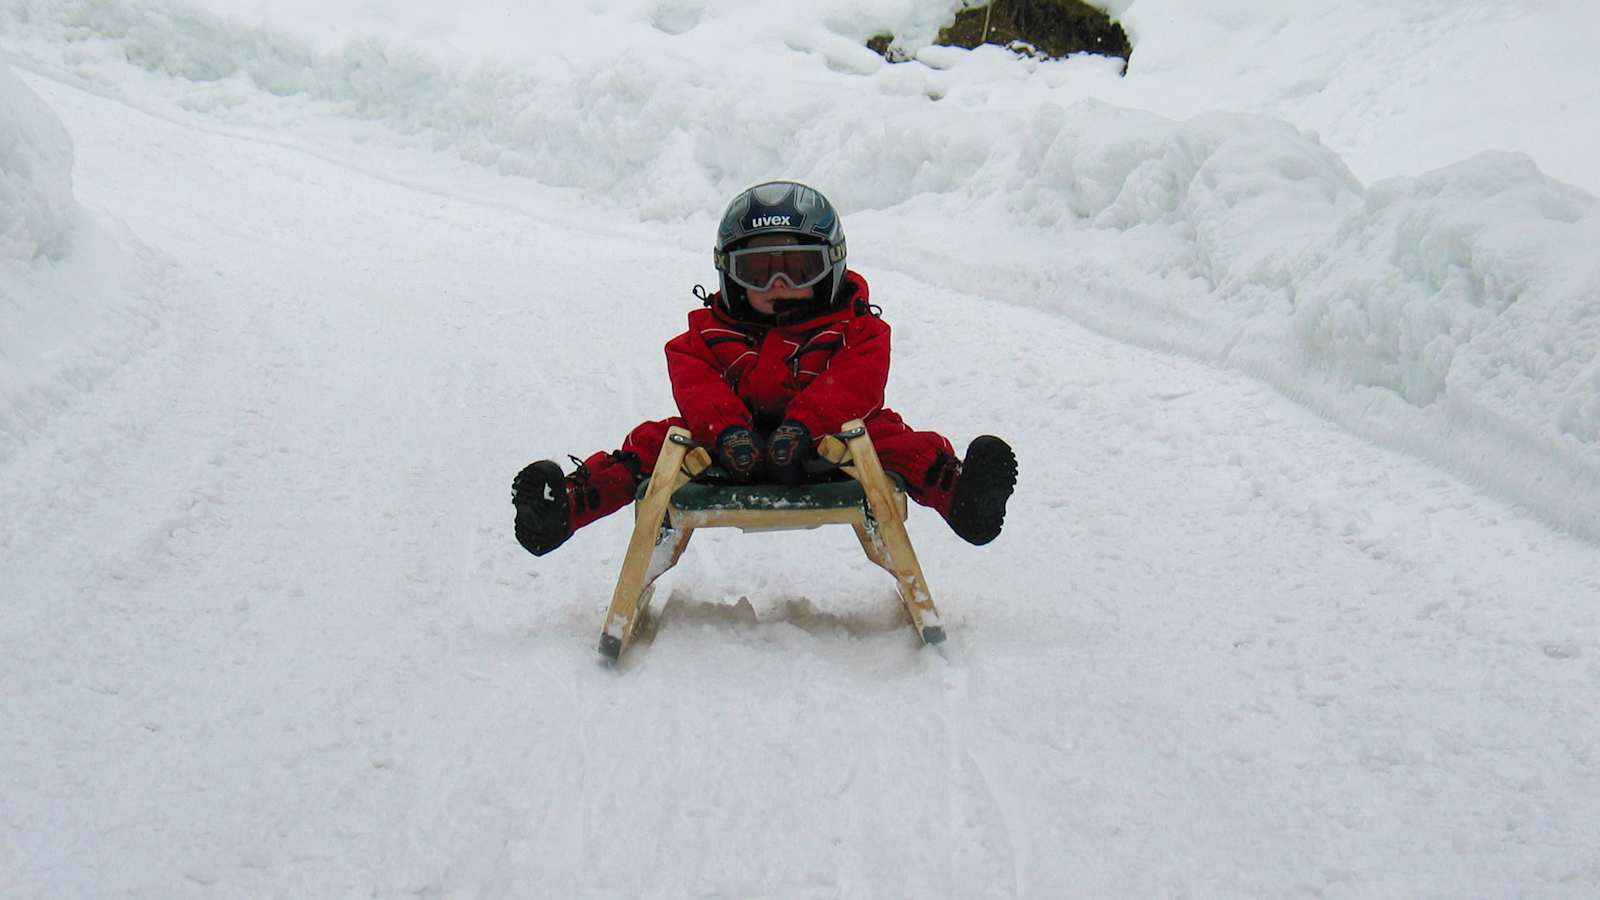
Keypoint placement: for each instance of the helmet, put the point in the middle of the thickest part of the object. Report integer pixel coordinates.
(782, 207)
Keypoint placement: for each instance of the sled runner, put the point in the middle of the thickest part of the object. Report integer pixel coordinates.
(671, 504)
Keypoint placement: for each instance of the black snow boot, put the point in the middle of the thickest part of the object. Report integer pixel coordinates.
(978, 502)
(539, 493)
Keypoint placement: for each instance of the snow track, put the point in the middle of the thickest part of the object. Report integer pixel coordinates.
(266, 632)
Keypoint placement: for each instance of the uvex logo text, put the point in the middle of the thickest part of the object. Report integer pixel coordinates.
(764, 221)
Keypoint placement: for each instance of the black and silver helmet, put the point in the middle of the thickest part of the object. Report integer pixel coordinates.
(781, 207)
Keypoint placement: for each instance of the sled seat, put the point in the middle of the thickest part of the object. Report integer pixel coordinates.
(772, 507)
(682, 494)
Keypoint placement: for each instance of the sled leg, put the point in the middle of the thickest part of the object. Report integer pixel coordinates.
(655, 545)
(893, 544)
(873, 547)
(663, 557)
(678, 544)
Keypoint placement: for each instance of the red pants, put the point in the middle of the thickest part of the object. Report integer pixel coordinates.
(925, 459)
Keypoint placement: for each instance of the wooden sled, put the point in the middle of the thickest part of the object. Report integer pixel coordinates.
(671, 506)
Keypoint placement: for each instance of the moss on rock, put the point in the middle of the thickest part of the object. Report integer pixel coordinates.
(1046, 28)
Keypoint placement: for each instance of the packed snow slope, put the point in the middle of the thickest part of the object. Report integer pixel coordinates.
(283, 311)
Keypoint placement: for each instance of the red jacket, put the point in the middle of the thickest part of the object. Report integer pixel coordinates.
(821, 373)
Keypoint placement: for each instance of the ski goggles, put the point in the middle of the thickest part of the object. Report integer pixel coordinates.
(758, 268)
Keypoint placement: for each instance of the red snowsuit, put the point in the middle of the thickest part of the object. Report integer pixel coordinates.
(821, 373)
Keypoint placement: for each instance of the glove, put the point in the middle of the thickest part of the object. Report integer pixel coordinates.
(739, 451)
(787, 447)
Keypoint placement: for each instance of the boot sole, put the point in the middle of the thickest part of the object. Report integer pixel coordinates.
(540, 525)
(988, 478)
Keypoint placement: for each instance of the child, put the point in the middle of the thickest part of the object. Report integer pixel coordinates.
(787, 351)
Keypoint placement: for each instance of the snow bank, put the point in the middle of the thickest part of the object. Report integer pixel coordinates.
(36, 205)
(660, 110)
(1474, 285)
(76, 292)
(1455, 314)
(1394, 91)
(1476, 281)
(1472, 294)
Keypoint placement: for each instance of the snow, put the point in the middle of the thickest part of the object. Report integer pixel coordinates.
(1288, 265)
(36, 206)
(77, 293)
(1294, 329)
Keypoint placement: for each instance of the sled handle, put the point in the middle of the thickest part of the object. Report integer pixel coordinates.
(697, 460)
(835, 447)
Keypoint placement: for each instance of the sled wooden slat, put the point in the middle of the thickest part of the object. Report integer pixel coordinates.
(765, 519)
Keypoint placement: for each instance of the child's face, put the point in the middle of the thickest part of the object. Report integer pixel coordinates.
(765, 302)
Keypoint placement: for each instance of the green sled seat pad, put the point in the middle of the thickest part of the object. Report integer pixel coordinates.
(700, 497)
